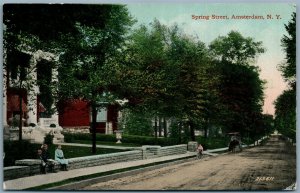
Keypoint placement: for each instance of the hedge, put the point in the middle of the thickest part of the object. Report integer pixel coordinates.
(134, 139)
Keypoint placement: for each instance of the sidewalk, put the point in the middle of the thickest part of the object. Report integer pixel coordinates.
(37, 180)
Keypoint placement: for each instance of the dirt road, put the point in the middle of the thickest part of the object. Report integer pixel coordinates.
(268, 167)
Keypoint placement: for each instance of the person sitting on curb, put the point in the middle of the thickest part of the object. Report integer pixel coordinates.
(59, 156)
(43, 163)
(46, 158)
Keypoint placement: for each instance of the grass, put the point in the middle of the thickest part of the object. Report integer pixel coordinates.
(75, 151)
(25, 150)
(212, 143)
(80, 178)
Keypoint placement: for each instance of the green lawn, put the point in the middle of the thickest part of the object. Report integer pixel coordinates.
(74, 151)
(24, 150)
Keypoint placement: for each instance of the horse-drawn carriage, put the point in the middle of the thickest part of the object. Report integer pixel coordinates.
(235, 143)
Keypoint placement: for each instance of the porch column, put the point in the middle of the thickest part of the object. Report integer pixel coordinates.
(54, 81)
(32, 105)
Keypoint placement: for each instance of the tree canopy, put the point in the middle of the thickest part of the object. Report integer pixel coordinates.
(235, 48)
(240, 88)
(163, 72)
(288, 43)
(285, 104)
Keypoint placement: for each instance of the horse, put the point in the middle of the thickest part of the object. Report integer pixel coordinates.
(232, 145)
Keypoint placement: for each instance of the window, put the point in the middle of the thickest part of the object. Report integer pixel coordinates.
(102, 115)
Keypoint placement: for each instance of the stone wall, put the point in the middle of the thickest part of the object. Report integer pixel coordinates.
(158, 151)
(13, 172)
(96, 160)
(172, 150)
(27, 167)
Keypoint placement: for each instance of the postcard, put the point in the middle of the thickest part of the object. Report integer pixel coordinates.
(149, 96)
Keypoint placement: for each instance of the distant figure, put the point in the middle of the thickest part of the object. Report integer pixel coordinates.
(59, 156)
(199, 151)
(46, 158)
(232, 145)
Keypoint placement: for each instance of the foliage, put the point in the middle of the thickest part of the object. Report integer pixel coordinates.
(133, 139)
(88, 65)
(288, 43)
(15, 150)
(241, 93)
(212, 142)
(85, 37)
(175, 131)
(48, 139)
(285, 113)
(32, 124)
(52, 125)
(235, 48)
(46, 88)
(240, 88)
(168, 73)
(138, 123)
(285, 104)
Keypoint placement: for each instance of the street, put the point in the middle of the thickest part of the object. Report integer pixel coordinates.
(268, 167)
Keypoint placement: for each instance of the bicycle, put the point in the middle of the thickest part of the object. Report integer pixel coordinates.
(199, 154)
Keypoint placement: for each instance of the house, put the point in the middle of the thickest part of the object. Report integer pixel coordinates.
(76, 114)
(35, 103)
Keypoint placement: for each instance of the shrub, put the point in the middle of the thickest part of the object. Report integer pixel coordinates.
(138, 123)
(48, 139)
(16, 150)
(32, 124)
(212, 142)
(134, 139)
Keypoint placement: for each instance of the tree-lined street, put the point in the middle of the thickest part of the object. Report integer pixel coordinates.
(268, 167)
(91, 73)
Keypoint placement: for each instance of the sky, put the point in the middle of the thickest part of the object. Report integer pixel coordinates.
(269, 31)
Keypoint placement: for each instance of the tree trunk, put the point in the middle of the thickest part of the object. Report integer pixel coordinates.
(159, 127)
(21, 117)
(192, 129)
(206, 129)
(155, 127)
(165, 128)
(94, 117)
(179, 131)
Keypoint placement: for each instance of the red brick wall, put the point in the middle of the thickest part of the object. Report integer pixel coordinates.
(75, 113)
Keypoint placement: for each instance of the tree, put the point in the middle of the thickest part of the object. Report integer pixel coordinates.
(285, 113)
(138, 123)
(89, 66)
(169, 74)
(288, 43)
(235, 48)
(196, 80)
(87, 38)
(240, 88)
(285, 104)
